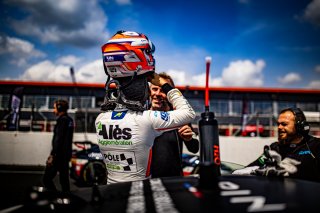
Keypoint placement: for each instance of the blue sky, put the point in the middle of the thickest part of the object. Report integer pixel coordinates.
(253, 43)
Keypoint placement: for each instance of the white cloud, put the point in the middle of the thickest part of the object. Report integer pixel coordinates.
(289, 78)
(180, 78)
(243, 73)
(238, 74)
(48, 71)
(68, 60)
(184, 67)
(314, 85)
(317, 68)
(312, 13)
(19, 50)
(80, 23)
(92, 72)
(200, 80)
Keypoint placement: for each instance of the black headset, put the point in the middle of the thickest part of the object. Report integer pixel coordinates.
(301, 124)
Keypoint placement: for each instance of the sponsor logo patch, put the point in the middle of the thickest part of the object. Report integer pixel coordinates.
(164, 116)
(114, 132)
(118, 115)
(95, 155)
(155, 114)
(262, 159)
(120, 161)
(304, 152)
(115, 142)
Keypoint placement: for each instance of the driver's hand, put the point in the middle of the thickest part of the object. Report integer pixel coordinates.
(185, 132)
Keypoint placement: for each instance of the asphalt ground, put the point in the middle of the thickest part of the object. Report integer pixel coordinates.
(15, 181)
(237, 194)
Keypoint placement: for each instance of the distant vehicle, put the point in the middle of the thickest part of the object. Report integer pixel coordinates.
(87, 165)
(190, 165)
(252, 130)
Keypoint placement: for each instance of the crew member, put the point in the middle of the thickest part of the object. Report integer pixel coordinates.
(60, 155)
(168, 147)
(296, 154)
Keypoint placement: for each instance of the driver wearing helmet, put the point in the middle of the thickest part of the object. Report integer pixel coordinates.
(126, 130)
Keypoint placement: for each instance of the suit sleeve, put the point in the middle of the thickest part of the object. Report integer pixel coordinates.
(193, 144)
(183, 113)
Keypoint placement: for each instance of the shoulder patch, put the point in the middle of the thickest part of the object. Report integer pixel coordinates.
(118, 115)
(164, 116)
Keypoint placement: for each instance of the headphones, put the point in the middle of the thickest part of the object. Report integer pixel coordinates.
(301, 124)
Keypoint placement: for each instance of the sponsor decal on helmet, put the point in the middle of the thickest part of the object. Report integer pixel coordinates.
(130, 33)
(112, 69)
(132, 41)
(109, 58)
(115, 58)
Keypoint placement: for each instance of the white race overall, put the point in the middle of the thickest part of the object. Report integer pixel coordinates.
(126, 137)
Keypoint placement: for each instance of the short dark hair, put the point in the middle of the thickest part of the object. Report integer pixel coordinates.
(297, 112)
(62, 105)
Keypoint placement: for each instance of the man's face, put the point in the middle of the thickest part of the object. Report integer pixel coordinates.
(158, 98)
(55, 110)
(286, 127)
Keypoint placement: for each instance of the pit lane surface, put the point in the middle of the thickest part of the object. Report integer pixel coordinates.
(234, 194)
(15, 181)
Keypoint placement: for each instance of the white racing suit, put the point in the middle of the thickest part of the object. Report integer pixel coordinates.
(126, 137)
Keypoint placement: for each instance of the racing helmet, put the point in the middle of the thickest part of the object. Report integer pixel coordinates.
(128, 53)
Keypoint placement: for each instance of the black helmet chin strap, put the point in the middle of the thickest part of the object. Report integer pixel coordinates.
(130, 82)
(115, 96)
(112, 95)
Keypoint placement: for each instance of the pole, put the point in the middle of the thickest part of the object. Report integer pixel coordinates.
(80, 117)
(209, 140)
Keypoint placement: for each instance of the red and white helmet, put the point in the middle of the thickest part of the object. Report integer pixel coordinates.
(128, 53)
